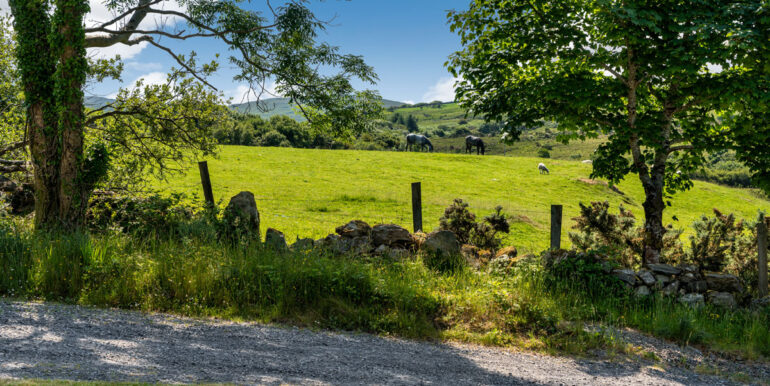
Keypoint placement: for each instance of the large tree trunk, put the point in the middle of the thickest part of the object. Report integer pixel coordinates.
(70, 78)
(37, 66)
(653, 219)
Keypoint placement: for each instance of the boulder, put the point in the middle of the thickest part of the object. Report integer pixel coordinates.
(688, 277)
(722, 299)
(442, 243)
(355, 228)
(692, 300)
(331, 243)
(392, 235)
(241, 212)
(671, 289)
(642, 291)
(275, 240)
(646, 277)
(627, 276)
(381, 250)
(356, 245)
(508, 251)
(698, 286)
(722, 282)
(302, 245)
(664, 269)
(662, 280)
(761, 303)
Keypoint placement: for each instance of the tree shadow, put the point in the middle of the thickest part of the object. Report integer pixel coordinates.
(77, 343)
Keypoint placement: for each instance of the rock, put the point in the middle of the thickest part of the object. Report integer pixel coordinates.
(470, 252)
(442, 243)
(664, 269)
(355, 228)
(698, 286)
(332, 243)
(671, 289)
(508, 251)
(693, 269)
(587, 161)
(721, 282)
(642, 291)
(242, 213)
(555, 257)
(723, 299)
(761, 303)
(646, 277)
(381, 250)
(399, 253)
(302, 245)
(392, 235)
(6, 185)
(692, 300)
(275, 240)
(356, 245)
(627, 276)
(662, 280)
(688, 277)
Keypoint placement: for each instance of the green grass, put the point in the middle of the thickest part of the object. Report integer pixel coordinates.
(402, 298)
(307, 193)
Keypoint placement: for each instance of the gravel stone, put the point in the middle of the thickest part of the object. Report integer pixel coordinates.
(53, 341)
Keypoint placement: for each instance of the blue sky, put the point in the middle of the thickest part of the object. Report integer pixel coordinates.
(407, 42)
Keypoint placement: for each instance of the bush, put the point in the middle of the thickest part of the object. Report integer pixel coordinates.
(485, 235)
(142, 216)
(543, 153)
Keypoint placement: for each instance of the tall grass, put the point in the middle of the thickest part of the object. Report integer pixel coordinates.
(405, 298)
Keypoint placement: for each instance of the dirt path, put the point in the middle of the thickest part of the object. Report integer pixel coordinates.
(78, 343)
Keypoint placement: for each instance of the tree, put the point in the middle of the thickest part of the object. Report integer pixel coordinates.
(72, 149)
(666, 81)
(411, 124)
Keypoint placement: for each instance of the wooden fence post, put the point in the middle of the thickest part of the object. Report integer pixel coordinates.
(762, 250)
(416, 206)
(208, 194)
(556, 211)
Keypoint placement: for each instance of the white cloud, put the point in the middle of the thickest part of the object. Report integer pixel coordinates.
(153, 78)
(143, 66)
(125, 52)
(443, 90)
(408, 102)
(239, 95)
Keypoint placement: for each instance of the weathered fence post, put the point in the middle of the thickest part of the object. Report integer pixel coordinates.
(417, 206)
(762, 250)
(556, 226)
(208, 194)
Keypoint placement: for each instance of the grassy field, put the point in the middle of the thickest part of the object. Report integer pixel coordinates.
(307, 193)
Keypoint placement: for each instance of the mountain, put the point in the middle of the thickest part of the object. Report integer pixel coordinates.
(266, 109)
(282, 106)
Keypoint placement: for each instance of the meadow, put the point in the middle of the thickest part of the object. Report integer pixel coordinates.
(307, 192)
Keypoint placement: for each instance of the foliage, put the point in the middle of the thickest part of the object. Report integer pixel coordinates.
(543, 153)
(142, 217)
(598, 229)
(458, 219)
(11, 95)
(585, 270)
(462, 222)
(652, 77)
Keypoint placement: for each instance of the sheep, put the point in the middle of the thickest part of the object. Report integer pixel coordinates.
(543, 169)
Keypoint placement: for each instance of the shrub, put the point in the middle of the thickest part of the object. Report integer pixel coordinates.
(600, 229)
(458, 219)
(485, 235)
(543, 153)
(585, 271)
(142, 216)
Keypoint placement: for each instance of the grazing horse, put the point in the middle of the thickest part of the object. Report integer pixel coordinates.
(543, 170)
(471, 142)
(419, 140)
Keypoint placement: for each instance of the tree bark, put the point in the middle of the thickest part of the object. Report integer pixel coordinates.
(37, 66)
(70, 78)
(653, 219)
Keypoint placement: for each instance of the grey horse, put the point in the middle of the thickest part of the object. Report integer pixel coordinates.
(419, 140)
(471, 142)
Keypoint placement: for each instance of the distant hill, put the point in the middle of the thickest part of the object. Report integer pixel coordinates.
(95, 102)
(281, 106)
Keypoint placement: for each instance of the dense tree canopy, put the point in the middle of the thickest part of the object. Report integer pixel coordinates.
(150, 128)
(667, 81)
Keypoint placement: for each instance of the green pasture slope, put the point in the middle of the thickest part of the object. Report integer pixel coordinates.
(307, 193)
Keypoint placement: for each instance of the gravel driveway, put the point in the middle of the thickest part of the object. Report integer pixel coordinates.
(80, 343)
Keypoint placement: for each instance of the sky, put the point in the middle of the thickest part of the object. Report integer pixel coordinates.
(406, 41)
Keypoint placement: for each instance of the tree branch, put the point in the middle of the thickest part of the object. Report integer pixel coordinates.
(13, 146)
(673, 149)
(181, 63)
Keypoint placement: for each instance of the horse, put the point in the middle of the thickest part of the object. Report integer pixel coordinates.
(471, 142)
(419, 140)
(543, 169)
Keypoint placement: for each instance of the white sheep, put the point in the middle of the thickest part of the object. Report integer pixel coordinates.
(543, 169)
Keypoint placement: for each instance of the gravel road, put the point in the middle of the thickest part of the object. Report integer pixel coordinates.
(54, 341)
